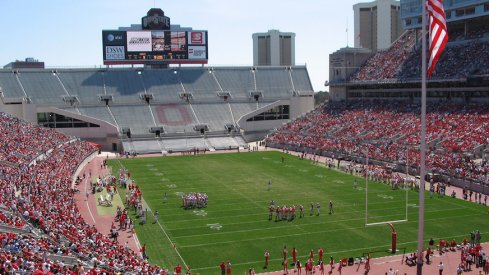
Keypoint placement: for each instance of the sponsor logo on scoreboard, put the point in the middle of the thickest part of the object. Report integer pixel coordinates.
(139, 41)
(114, 53)
(197, 52)
(196, 38)
(114, 38)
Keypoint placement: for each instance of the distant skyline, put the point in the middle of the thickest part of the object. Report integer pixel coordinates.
(68, 33)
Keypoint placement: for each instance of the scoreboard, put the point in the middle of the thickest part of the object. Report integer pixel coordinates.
(154, 46)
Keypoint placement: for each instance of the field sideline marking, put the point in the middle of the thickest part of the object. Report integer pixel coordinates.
(149, 210)
(176, 250)
(88, 206)
(333, 252)
(309, 233)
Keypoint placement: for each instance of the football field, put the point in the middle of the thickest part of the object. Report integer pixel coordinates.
(235, 225)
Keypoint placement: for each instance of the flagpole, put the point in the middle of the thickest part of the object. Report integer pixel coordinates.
(422, 171)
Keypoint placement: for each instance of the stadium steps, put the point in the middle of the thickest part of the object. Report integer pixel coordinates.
(8, 164)
(13, 229)
(67, 260)
(21, 86)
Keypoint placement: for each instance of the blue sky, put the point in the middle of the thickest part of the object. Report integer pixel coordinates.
(68, 33)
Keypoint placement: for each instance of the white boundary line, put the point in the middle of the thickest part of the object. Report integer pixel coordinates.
(285, 226)
(171, 242)
(84, 195)
(162, 229)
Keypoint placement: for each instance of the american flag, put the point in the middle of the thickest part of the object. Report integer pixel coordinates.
(438, 32)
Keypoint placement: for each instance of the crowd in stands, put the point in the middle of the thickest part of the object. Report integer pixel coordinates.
(457, 61)
(386, 64)
(28, 141)
(476, 31)
(389, 131)
(466, 54)
(43, 195)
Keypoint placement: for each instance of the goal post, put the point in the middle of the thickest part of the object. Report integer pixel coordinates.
(388, 222)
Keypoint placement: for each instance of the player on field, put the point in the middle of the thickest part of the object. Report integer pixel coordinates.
(301, 208)
(294, 254)
(320, 254)
(331, 207)
(271, 209)
(311, 211)
(269, 185)
(155, 215)
(267, 256)
(298, 266)
(318, 207)
(228, 268)
(331, 264)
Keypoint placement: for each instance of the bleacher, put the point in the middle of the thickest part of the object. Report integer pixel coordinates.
(457, 134)
(42, 229)
(176, 99)
(466, 54)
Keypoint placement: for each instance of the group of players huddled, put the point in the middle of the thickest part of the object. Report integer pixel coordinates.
(194, 200)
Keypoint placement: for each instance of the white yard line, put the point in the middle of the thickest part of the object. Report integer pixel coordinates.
(297, 219)
(310, 233)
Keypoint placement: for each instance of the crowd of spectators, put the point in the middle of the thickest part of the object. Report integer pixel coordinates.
(475, 31)
(43, 195)
(386, 64)
(466, 54)
(457, 61)
(27, 140)
(389, 131)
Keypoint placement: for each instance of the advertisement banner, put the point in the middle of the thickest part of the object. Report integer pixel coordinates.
(197, 52)
(196, 38)
(139, 41)
(114, 38)
(114, 52)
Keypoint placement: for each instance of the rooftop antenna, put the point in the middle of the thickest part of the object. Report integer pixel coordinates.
(347, 44)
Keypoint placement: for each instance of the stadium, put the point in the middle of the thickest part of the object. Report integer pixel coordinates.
(158, 163)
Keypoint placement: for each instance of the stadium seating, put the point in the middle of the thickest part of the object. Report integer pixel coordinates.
(42, 194)
(464, 55)
(218, 96)
(455, 134)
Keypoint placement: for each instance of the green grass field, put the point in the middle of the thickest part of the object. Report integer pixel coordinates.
(235, 224)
